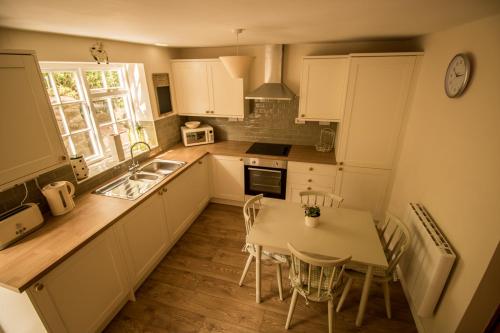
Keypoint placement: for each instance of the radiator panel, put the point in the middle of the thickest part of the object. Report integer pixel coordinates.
(428, 261)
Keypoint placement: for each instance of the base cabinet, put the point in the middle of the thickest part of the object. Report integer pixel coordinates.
(184, 198)
(309, 177)
(228, 181)
(363, 188)
(144, 237)
(84, 292)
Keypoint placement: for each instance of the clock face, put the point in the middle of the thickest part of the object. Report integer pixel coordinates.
(457, 75)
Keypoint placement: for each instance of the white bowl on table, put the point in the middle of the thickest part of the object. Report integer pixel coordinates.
(192, 124)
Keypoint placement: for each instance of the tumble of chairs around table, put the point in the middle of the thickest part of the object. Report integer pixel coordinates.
(320, 279)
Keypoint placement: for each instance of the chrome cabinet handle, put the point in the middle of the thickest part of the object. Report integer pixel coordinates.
(39, 286)
(309, 188)
(302, 115)
(164, 189)
(200, 162)
(341, 163)
(309, 180)
(340, 169)
(311, 169)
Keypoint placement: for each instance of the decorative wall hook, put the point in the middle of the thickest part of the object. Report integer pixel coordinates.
(98, 53)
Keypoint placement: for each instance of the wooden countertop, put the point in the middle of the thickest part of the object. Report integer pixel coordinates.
(26, 261)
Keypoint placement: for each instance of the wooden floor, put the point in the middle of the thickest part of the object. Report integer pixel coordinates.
(195, 289)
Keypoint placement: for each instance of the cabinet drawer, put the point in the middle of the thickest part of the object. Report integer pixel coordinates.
(312, 168)
(311, 179)
(294, 191)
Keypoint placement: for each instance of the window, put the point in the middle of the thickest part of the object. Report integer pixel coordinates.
(92, 103)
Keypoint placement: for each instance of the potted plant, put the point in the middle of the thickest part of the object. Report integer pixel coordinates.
(312, 214)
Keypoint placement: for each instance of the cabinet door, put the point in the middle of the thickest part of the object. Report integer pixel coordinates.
(28, 130)
(227, 93)
(144, 237)
(84, 292)
(363, 188)
(184, 198)
(191, 86)
(376, 100)
(228, 178)
(322, 88)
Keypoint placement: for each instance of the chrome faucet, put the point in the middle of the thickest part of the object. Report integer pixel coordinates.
(135, 165)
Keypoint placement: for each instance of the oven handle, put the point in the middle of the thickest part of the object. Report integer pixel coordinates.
(263, 169)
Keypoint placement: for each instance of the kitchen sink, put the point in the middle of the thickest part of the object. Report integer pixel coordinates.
(132, 186)
(162, 167)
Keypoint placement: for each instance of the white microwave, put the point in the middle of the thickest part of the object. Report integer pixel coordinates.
(197, 136)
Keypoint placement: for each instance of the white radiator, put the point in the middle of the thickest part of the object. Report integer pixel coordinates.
(427, 262)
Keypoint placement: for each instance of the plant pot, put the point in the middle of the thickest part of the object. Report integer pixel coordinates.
(312, 221)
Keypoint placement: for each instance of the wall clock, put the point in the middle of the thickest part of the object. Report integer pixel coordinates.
(457, 75)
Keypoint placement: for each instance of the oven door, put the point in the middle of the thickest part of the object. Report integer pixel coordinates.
(269, 181)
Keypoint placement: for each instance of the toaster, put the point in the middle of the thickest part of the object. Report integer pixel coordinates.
(19, 222)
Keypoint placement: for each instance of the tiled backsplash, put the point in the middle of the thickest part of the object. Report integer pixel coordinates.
(267, 121)
(168, 134)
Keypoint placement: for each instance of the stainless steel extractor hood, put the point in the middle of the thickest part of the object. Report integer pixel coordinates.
(272, 88)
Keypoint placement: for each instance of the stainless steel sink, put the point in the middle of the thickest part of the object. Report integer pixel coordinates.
(162, 167)
(132, 186)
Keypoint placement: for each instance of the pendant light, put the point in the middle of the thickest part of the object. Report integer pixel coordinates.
(237, 66)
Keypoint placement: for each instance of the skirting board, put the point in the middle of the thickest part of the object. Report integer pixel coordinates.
(416, 318)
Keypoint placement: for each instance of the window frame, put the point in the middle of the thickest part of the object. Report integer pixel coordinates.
(87, 97)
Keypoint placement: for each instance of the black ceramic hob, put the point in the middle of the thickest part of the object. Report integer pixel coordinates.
(269, 149)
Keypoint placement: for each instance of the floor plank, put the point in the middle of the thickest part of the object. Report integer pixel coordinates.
(195, 289)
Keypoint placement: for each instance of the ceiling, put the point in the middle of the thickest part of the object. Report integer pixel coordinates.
(185, 23)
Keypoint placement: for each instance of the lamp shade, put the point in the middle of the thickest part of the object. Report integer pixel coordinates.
(237, 66)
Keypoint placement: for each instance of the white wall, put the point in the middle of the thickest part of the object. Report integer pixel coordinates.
(56, 47)
(450, 160)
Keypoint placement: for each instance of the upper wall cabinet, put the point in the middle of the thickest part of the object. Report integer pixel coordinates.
(322, 88)
(377, 95)
(30, 141)
(204, 88)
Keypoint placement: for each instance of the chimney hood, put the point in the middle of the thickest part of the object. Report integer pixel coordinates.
(272, 88)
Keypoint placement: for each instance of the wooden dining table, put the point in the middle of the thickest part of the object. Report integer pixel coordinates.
(341, 233)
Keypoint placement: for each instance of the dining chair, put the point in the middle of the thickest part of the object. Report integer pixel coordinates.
(250, 211)
(319, 198)
(316, 279)
(395, 245)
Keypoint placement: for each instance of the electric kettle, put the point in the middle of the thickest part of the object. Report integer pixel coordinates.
(59, 195)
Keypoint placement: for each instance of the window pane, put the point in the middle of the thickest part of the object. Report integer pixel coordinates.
(75, 116)
(66, 86)
(57, 113)
(94, 79)
(102, 111)
(49, 88)
(112, 79)
(119, 108)
(82, 143)
(107, 141)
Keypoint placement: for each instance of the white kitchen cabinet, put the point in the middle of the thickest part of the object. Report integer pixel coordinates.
(84, 292)
(378, 90)
(377, 96)
(185, 197)
(28, 130)
(309, 177)
(144, 237)
(323, 85)
(228, 181)
(363, 188)
(204, 88)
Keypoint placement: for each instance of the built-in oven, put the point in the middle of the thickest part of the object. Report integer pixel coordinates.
(265, 176)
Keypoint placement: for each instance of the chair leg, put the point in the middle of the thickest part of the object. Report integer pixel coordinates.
(280, 285)
(292, 308)
(387, 298)
(330, 316)
(245, 270)
(344, 294)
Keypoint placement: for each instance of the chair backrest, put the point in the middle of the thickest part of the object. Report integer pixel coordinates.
(395, 238)
(250, 211)
(319, 198)
(316, 278)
